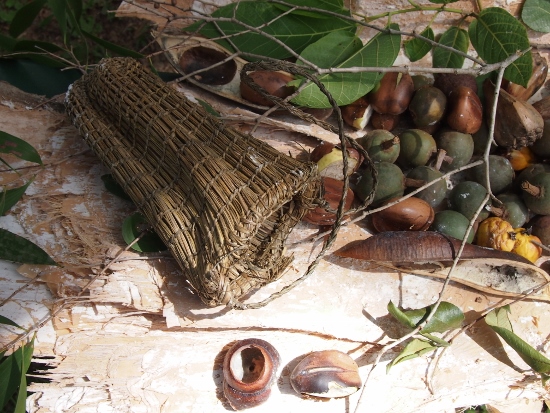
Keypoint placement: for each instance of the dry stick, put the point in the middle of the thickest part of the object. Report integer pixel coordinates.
(505, 64)
(35, 327)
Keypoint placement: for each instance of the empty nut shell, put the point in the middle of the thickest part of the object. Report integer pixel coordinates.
(249, 370)
(327, 373)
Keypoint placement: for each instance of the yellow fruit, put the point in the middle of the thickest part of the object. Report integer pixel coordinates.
(495, 233)
(524, 247)
(521, 158)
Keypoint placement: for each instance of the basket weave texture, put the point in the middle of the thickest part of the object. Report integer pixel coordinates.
(222, 201)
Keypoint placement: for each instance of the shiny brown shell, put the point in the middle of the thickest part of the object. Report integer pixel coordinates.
(410, 214)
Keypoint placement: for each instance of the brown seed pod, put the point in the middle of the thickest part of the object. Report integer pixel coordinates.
(328, 373)
(249, 370)
(274, 83)
(464, 110)
(333, 190)
(330, 160)
(517, 123)
(447, 82)
(536, 81)
(358, 113)
(384, 121)
(393, 94)
(411, 214)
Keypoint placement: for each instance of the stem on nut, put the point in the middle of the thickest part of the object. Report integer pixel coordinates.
(531, 189)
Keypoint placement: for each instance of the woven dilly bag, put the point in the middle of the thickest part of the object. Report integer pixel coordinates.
(222, 201)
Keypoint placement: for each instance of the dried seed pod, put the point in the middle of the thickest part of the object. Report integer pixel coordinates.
(464, 110)
(333, 190)
(517, 123)
(328, 373)
(249, 370)
(447, 82)
(411, 214)
(537, 79)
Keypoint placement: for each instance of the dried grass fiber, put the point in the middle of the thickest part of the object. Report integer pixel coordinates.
(224, 202)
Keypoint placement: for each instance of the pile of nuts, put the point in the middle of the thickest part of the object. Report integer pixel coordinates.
(421, 128)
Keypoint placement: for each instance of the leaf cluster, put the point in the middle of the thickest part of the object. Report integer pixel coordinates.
(79, 36)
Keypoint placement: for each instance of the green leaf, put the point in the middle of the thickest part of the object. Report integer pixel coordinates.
(496, 35)
(447, 317)
(18, 249)
(345, 88)
(342, 45)
(457, 39)
(7, 43)
(400, 316)
(336, 6)
(536, 15)
(443, 1)
(20, 406)
(209, 108)
(7, 321)
(18, 147)
(133, 226)
(415, 348)
(499, 322)
(293, 30)
(436, 340)
(10, 197)
(11, 369)
(113, 187)
(59, 10)
(120, 50)
(416, 49)
(25, 16)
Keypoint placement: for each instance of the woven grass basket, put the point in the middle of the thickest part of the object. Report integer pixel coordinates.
(224, 202)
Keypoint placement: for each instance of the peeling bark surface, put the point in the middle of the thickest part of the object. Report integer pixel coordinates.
(139, 340)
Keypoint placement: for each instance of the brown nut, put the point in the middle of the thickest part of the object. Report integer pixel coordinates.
(411, 214)
(447, 82)
(330, 160)
(358, 113)
(328, 373)
(333, 190)
(274, 83)
(464, 110)
(536, 81)
(393, 94)
(384, 121)
(249, 370)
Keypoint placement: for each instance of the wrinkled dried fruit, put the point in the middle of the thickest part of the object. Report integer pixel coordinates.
(410, 214)
(521, 158)
(393, 94)
(333, 190)
(495, 233)
(464, 110)
(274, 83)
(524, 247)
(328, 373)
(517, 123)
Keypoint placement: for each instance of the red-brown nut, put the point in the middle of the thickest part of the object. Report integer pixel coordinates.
(464, 110)
(328, 373)
(384, 121)
(411, 214)
(274, 83)
(333, 190)
(393, 94)
(358, 113)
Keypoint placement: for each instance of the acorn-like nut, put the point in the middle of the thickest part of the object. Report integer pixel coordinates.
(447, 82)
(330, 160)
(384, 121)
(464, 110)
(206, 61)
(274, 83)
(358, 113)
(411, 214)
(327, 373)
(333, 191)
(249, 370)
(393, 94)
(427, 106)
